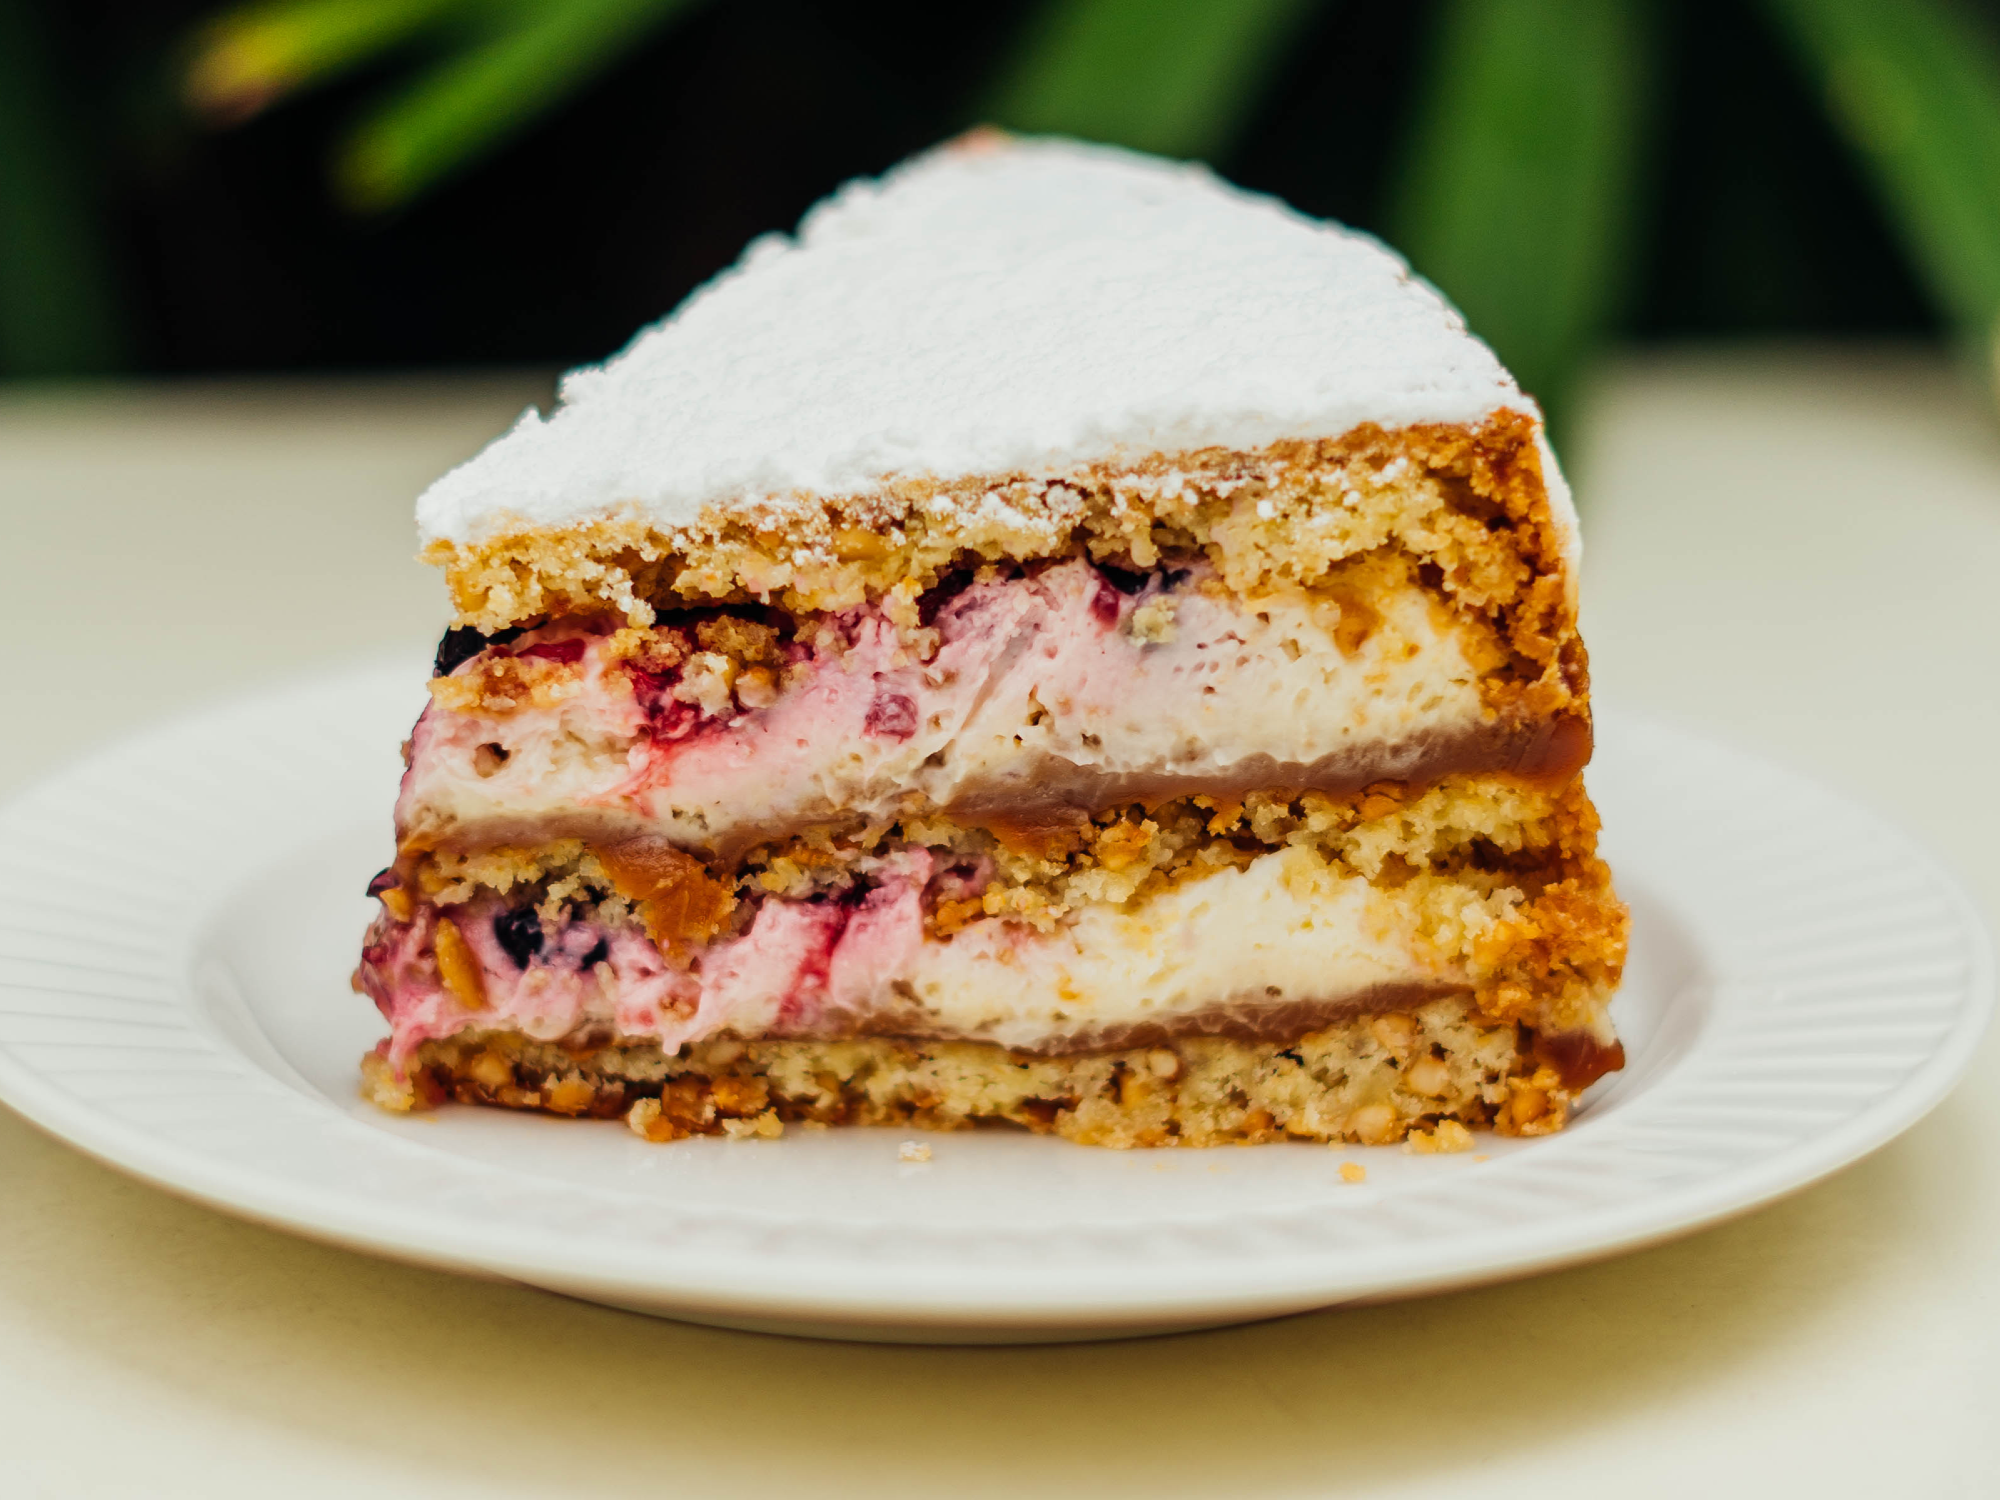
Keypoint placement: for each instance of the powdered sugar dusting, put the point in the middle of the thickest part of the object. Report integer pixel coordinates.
(1013, 306)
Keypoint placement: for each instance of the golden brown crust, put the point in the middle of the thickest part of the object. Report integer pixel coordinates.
(1372, 1079)
(1469, 501)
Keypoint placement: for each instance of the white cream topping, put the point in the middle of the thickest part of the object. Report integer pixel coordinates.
(994, 307)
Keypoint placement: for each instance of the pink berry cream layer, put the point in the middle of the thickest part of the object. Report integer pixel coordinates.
(1021, 704)
(1265, 952)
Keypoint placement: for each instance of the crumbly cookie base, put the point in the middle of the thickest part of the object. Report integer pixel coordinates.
(1470, 501)
(1424, 1075)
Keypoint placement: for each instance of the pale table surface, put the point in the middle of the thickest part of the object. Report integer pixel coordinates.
(1794, 551)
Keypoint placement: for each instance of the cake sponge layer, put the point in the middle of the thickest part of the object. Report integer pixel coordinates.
(1371, 1079)
(1481, 503)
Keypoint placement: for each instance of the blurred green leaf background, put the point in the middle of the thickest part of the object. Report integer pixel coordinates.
(1521, 164)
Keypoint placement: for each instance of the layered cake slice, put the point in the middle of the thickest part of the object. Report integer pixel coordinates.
(1059, 641)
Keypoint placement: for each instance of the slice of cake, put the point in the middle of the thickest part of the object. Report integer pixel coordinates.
(1060, 641)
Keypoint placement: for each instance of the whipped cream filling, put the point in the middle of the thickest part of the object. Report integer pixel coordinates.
(1284, 935)
(1055, 689)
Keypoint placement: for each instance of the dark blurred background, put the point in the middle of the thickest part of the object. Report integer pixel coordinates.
(225, 248)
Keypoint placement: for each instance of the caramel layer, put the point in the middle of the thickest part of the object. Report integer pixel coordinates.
(1248, 1019)
(1052, 794)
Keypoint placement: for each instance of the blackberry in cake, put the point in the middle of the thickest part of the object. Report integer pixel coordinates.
(1058, 641)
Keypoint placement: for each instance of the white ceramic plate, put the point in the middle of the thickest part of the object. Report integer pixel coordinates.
(179, 915)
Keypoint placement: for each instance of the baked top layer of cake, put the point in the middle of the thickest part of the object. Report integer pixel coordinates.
(999, 308)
